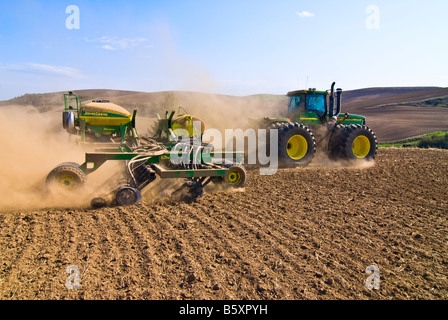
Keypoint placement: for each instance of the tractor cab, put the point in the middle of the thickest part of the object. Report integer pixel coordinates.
(312, 106)
(308, 101)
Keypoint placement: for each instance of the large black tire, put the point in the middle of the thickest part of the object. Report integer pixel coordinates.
(353, 142)
(334, 142)
(296, 144)
(67, 176)
(73, 164)
(98, 203)
(261, 144)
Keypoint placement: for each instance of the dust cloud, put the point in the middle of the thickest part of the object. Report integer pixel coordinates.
(229, 112)
(322, 160)
(32, 144)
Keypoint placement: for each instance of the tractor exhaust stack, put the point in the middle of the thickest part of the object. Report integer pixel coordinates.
(338, 101)
(331, 107)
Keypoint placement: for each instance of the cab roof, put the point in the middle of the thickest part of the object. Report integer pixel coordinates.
(312, 91)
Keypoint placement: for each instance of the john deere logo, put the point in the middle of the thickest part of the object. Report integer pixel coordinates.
(96, 114)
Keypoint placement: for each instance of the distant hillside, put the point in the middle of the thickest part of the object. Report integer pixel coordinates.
(369, 97)
(399, 113)
(393, 113)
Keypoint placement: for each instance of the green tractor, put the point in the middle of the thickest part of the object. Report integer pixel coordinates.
(314, 122)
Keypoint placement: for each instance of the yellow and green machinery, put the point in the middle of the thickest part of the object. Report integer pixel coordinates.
(98, 120)
(314, 122)
(112, 129)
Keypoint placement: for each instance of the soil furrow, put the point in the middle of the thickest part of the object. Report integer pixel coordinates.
(303, 233)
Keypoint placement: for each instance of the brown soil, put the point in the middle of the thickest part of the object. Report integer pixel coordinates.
(304, 233)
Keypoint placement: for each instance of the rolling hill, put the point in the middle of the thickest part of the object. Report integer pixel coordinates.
(393, 113)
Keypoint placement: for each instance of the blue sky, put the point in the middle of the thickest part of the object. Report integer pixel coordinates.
(232, 47)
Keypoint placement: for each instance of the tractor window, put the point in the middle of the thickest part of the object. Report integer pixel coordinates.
(316, 103)
(296, 103)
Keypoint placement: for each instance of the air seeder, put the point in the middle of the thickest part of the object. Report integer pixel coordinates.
(314, 122)
(166, 154)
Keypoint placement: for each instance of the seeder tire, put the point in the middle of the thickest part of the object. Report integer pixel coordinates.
(127, 196)
(236, 176)
(98, 203)
(67, 176)
(72, 164)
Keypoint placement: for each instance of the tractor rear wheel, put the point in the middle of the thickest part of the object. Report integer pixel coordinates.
(353, 142)
(66, 176)
(296, 145)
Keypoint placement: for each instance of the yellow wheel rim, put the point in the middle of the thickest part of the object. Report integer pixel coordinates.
(361, 147)
(297, 147)
(66, 181)
(234, 177)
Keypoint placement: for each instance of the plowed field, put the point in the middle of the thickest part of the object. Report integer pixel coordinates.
(303, 233)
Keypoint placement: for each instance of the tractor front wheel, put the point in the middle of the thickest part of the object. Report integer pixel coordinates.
(296, 145)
